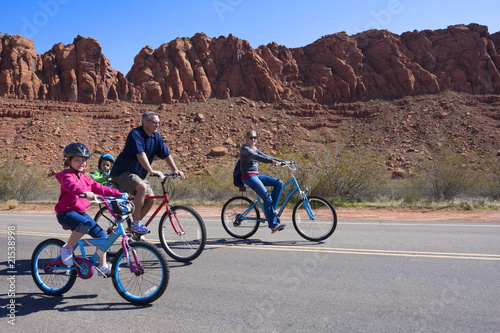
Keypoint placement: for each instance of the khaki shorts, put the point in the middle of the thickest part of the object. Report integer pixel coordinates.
(127, 182)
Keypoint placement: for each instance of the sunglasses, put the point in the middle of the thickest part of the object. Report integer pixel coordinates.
(154, 122)
(253, 138)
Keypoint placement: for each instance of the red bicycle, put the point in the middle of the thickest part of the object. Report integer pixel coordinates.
(181, 229)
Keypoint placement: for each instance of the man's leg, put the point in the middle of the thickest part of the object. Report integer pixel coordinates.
(139, 188)
(139, 199)
(142, 207)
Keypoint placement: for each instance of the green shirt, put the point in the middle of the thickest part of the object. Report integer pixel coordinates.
(99, 176)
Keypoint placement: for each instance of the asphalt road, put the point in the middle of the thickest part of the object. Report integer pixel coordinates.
(370, 276)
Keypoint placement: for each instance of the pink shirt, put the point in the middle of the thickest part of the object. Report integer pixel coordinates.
(74, 184)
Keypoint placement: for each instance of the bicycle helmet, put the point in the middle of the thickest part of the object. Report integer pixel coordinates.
(106, 157)
(76, 149)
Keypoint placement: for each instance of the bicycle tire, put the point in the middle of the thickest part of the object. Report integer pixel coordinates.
(231, 217)
(141, 287)
(320, 228)
(187, 246)
(104, 214)
(58, 281)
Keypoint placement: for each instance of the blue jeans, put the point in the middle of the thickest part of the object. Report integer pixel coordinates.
(81, 222)
(258, 184)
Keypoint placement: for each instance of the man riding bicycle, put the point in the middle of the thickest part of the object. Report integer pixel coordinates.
(131, 167)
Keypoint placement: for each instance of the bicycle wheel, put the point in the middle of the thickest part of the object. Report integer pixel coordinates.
(187, 244)
(53, 280)
(150, 279)
(319, 228)
(234, 223)
(103, 215)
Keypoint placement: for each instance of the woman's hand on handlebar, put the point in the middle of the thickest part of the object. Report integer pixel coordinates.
(282, 163)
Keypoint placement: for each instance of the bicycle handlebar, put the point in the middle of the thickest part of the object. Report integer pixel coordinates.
(292, 166)
(102, 199)
(173, 175)
(116, 206)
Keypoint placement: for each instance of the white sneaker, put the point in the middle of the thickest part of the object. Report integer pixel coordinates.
(67, 255)
(106, 268)
(139, 228)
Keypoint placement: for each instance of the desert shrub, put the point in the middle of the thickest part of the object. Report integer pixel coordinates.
(448, 177)
(342, 175)
(12, 204)
(412, 191)
(24, 182)
(347, 174)
(489, 180)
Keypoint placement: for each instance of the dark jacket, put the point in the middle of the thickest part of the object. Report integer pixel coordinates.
(249, 160)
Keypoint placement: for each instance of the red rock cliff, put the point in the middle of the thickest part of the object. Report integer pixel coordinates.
(335, 68)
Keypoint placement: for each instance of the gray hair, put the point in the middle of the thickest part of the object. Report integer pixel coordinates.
(148, 114)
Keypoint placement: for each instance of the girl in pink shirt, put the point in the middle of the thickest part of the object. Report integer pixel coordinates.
(71, 209)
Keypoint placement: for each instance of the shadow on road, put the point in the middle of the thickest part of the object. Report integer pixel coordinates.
(235, 241)
(35, 302)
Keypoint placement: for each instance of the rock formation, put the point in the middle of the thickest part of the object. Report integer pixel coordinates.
(76, 72)
(335, 68)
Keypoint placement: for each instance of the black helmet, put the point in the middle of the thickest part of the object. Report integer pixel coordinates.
(106, 157)
(76, 149)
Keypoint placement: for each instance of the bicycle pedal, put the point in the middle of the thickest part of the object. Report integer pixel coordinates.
(100, 272)
(138, 237)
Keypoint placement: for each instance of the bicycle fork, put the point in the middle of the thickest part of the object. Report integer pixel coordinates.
(176, 230)
(307, 206)
(136, 269)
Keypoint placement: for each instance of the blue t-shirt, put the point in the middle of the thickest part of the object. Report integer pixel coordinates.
(139, 142)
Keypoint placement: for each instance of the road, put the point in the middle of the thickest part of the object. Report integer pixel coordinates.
(370, 276)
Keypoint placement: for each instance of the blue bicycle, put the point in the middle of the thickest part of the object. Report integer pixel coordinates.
(140, 272)
(313, 217)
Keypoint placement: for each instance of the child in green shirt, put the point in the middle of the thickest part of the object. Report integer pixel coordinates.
(104, 165)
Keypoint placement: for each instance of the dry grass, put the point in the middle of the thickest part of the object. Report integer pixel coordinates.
(346, 177)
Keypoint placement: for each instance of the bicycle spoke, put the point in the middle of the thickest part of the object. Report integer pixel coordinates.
(147, 285)
(60, 279)
(315, 219)
(236, 222)
(182, 233)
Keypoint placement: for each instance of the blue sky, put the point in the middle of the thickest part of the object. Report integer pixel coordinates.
(124, 27)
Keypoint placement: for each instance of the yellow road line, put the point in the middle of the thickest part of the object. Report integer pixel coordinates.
(476, 256)
(397, 253)
(36, 233)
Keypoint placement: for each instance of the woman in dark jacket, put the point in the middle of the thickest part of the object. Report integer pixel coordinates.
(250, 157)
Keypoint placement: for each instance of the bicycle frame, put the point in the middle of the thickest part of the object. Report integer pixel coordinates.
(285, 202)
(178, 229)
(167, 204)
(103, 245)
(181, 230)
